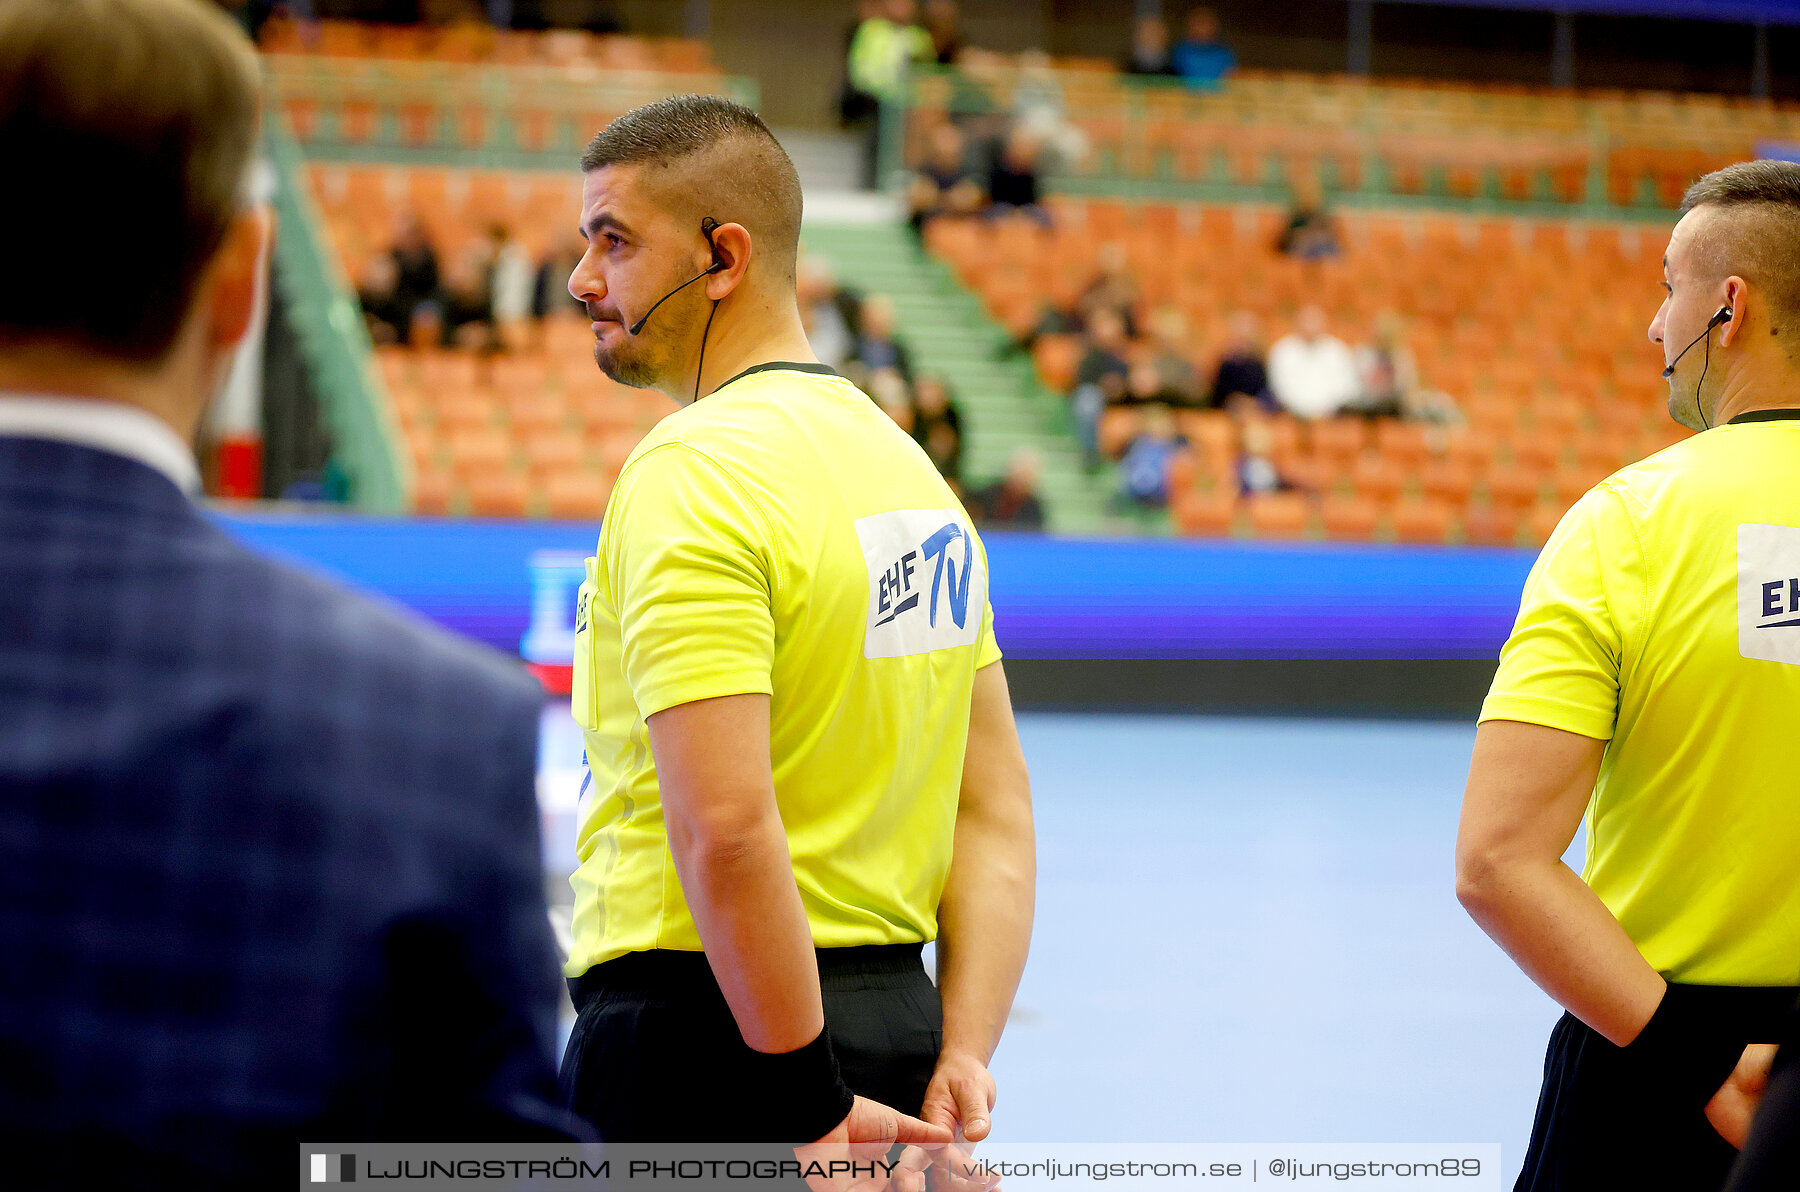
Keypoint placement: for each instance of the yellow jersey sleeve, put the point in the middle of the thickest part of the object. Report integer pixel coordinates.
(689, 564)
(987, 650)
(1560, 668)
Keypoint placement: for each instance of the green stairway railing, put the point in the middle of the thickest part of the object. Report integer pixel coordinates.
(327, 324)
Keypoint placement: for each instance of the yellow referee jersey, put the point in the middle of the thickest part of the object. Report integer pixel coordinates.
(782, 536)
(1664, 617)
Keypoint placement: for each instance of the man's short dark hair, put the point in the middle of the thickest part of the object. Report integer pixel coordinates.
(1758, 234)
(723, 161)
(1747, 182)
(127, 127)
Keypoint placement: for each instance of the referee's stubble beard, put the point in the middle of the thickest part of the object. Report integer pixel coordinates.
(642, 360)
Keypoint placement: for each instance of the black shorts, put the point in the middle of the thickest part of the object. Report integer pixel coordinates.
(657, 1057)
(1603, 1121)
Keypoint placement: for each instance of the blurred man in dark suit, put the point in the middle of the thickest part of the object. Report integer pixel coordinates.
(269, 869)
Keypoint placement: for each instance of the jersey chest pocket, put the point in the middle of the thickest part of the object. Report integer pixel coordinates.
(584, 693)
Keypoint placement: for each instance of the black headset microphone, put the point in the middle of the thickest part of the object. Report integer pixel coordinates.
(707, 227)
(1722, 315)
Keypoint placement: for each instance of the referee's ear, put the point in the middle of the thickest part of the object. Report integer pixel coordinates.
(1736, 299)
(733, 248)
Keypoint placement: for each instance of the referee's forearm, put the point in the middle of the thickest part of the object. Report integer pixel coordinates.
(1564, 938)
(740, 889)
(984, 929)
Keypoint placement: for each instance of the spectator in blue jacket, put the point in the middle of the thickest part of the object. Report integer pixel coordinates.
(1200, 58)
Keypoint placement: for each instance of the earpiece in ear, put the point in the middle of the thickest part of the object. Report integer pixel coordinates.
(708, 226)
(1724, 316)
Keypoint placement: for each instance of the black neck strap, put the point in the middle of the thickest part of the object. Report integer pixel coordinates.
(1766, 416)
(824, 370)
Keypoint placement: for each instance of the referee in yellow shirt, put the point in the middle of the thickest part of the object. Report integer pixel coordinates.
(804, 762)
(1652, 683)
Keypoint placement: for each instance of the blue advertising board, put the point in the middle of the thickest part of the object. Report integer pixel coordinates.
(511, 584)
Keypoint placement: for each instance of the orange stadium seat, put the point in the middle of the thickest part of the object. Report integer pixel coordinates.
(1541, 521)
(555, 451)
(1489, 525)
(1118, 426)
(1403, 442)
(431, 491)
(1208, 514)
(576, 495)
(1338, 441)
(498, 493)
(536, 412)
(1210, 431)
(476, 451)
(1513, 487)
(1447, 479)
(1279, 515)
(1380, 477)
(1349, 518)
(458, 409)
(1422, 521)
(1537, 450)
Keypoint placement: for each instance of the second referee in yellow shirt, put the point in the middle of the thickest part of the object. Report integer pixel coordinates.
(1652, 682)
(804, 762)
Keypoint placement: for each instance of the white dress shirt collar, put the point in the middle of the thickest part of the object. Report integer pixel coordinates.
(108, 426)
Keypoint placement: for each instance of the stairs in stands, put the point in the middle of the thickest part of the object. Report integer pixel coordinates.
(1004, 406)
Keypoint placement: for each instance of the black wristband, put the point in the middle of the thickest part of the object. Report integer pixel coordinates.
(806, 1093)
(1686, 1047)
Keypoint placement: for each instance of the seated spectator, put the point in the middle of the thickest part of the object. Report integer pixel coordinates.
(937, 426)
(1257, 472)
(416, 278)
(1389, 375)
(1144, 386)
(944, 184)
(876, 346)
(1149, 56)
(941, 23)
(1013, 182)
(889, 391)
(1310, 234)
(1114, 288)
(1311, 371)
(1099, 379)
(828, 311)
(1241, 371)
(511, 282)
(1385, 370)
(1170, 347)
(1012, 502)
(1144, 469)
(375, 291)
(975, 80)
(468, 301)
(1040, 109)
(1200, 59)
(551, 295)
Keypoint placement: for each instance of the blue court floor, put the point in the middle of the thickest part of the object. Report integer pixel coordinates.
(1247, 932)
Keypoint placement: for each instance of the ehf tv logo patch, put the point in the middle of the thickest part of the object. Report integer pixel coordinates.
(927, 582)
(1769, 592)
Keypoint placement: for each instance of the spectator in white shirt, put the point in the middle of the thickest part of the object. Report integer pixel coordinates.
(1312, 372)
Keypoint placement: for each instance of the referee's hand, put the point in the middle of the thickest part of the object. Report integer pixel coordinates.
(1732, 1107)
(961, 1096)
(865, 1136)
